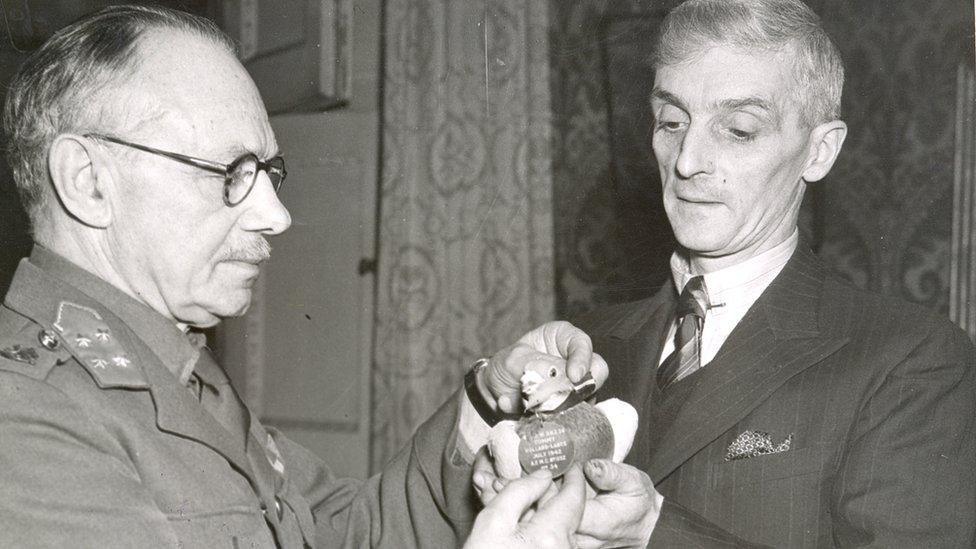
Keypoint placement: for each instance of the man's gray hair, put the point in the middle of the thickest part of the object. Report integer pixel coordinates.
(765, 25)
(57, 89)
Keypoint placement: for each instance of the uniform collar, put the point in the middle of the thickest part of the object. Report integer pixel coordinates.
(161, 335)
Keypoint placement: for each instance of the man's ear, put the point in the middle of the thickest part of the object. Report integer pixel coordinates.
(80, 184)
(826, 141)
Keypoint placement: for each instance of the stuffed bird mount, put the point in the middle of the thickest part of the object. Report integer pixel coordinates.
(559, 426)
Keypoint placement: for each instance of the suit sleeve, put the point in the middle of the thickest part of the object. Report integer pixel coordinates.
(907, 477)
(63, 479)
(423, 497)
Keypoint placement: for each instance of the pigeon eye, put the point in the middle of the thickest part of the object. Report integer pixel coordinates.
(553, 372)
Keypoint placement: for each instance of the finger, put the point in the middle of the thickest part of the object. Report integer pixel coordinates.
(550, 493)
(510, 504)
(486, 488)
(480, 482)
(499, 484)
(483, 464)
(502, 377)
(599, 370)
(565, 509)
(608, 476)
(488, 495)
(482, 475)
(575, 346)
(509, 403)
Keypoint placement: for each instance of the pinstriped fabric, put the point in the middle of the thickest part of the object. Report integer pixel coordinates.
(878, 394)
(686, 357)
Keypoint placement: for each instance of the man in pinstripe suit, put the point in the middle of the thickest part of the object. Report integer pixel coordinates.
(779, 405)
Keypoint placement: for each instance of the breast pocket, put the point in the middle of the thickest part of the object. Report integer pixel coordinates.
(770, 467)
(237, 528)
(774, 498)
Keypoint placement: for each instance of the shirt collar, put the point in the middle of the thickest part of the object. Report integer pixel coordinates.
(733, 283)
(163, 337)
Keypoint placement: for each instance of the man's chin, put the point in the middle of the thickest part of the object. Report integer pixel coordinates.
(700, 243)
(209, 312)
(237, 306)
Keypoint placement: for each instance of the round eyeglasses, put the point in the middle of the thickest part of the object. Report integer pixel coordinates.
(239, 176)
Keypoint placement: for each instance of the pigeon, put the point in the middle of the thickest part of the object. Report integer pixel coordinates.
(558, 427)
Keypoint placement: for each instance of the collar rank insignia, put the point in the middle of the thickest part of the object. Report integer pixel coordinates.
(91, 341)
(20, 353)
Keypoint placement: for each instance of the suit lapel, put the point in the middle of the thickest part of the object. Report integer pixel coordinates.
(631, 349)
(632, 346)
(778, 338)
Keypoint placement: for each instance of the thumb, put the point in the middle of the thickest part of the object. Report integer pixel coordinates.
(608, 476)
(519, 495)
(565, 509)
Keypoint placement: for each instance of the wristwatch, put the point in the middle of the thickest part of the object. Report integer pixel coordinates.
(487, 413)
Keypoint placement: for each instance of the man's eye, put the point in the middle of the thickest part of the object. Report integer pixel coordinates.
(742, 135)
(668, 125)
(669, 118)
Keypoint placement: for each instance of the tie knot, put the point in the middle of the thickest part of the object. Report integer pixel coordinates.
(693, 299)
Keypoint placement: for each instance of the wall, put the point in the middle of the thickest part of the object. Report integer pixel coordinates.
(302, 354)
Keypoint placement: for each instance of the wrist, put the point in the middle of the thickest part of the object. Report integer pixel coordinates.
(480, 368)
(476, 388)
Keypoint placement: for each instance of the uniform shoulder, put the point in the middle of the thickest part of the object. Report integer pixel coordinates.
(28, 348)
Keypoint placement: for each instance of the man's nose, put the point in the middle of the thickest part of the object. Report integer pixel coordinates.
(697, 153)
(265, 212)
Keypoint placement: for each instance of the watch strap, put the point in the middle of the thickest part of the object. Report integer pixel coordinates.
(487, 413)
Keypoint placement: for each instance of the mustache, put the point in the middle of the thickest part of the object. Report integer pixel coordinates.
(250, 251)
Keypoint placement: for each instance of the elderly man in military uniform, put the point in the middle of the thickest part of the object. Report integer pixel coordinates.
(144, 157)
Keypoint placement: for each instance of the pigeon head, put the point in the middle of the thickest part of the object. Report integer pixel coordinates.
(545, 385)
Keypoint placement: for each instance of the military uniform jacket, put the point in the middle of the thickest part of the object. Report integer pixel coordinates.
(102, 446)
(830, 417)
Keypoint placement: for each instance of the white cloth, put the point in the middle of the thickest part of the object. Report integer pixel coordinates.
(731, 293)
(472, 430)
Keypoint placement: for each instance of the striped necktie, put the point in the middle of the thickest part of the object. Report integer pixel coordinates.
(686, 357)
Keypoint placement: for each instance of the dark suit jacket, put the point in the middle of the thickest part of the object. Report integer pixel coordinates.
(121, 455)
(878, 396)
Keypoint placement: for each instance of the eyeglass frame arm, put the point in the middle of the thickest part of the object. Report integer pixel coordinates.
(209, 165)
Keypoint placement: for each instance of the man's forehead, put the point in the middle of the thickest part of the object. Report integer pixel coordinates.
(726, 78)
(201, 93)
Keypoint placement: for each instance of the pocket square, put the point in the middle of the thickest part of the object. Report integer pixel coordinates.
(750, 444)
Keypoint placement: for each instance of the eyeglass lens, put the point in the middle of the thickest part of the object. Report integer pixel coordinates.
(243, 174)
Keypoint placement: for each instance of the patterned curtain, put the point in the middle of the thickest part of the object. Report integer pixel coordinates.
(466, 252)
